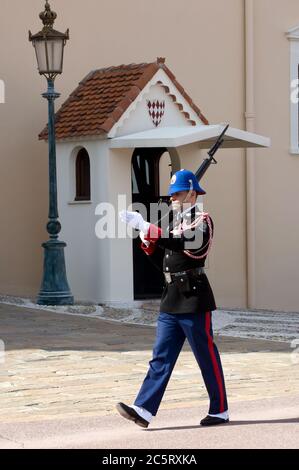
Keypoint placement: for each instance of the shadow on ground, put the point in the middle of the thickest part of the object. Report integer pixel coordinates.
(231, 423)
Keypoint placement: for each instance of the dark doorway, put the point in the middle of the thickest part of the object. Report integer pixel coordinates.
(146, 189)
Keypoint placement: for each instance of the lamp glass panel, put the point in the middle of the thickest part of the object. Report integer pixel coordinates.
(40, 51)
(55, 54)
(49, 54)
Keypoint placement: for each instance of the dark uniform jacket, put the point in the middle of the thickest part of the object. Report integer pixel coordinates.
(186, 294)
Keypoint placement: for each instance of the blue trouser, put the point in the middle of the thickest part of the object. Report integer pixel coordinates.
(172, 330)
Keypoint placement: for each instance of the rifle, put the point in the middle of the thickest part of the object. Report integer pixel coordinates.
(208, 161)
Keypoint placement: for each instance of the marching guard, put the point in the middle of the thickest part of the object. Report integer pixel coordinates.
(186, 305)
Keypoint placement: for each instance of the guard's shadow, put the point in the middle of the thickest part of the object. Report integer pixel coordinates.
(231, 423)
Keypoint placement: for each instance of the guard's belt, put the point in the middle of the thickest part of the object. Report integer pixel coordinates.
(170, 277)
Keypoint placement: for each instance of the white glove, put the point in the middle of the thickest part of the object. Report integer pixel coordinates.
(146, 242)
(135, 220)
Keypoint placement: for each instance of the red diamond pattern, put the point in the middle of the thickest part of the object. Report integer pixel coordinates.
(156, 111)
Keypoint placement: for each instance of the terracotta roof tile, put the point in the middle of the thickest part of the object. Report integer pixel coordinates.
(103, 96)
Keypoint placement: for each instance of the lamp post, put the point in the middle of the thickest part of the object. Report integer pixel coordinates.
(49, 46)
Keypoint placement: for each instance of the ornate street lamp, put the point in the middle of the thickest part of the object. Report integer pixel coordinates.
(49, 46)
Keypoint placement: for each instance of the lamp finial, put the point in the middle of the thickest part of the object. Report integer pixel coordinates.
(48, 16)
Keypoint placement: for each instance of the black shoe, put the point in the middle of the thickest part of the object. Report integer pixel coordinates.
(212, 421)
(129, 413)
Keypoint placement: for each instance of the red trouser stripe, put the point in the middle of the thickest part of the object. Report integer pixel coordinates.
(214, 361)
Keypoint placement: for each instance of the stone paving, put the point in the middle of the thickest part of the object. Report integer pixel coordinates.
(59, 366)
(262, 324)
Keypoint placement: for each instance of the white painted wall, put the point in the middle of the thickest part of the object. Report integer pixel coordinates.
(99, 270)
(121, 249)
(85, 256)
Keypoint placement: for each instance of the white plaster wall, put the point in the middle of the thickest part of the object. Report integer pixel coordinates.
(86, 256)
(98, 269)
(120, 271)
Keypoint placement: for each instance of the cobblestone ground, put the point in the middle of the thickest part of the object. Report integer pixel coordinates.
(58, 365)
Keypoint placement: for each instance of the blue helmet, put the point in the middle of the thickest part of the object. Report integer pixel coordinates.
(184, 180)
